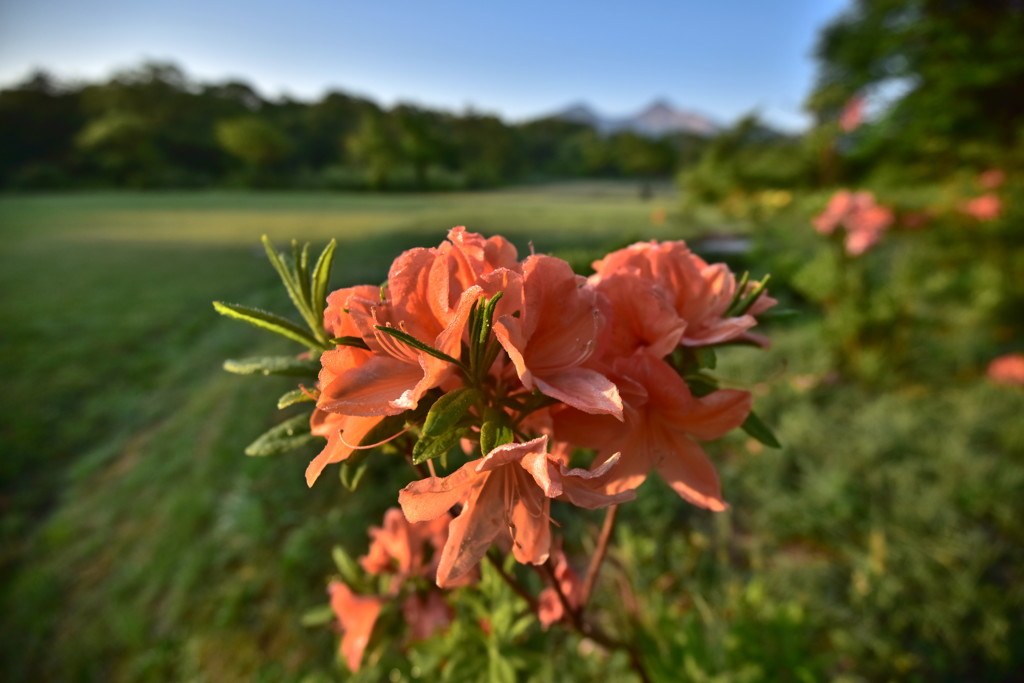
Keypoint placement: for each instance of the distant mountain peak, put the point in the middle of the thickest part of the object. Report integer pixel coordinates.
(660, 117)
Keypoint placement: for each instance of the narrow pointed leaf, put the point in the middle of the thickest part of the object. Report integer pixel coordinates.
(448, 410)
(290, 398)
(291, 284)
(322, 274)
(756, 428)
(268, 321)
(412, 341)
(352, 474)
(318, 616)
(273, 365)
(350, 341)
(347, 567)
(701, 384)
(753, 297)
(291, 434)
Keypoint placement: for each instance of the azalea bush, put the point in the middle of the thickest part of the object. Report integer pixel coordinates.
(499, 385)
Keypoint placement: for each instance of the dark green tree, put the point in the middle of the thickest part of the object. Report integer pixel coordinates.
(953, 70)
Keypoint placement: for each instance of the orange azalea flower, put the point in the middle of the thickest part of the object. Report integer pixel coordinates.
(508, 489)
(553, 336)
(1007, 369)
(356, 616)
(700, 293)
(662, 420)
(985, 208)
(398, 546)
(857, 212)
(396, 376)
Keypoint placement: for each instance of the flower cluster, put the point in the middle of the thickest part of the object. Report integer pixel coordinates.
(520, 362)
(857, 212)
(400, 552)
(491, 374)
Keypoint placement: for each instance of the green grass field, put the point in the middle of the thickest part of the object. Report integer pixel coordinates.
(883, 542)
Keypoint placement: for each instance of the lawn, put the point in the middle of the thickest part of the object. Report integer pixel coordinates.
(139, 543)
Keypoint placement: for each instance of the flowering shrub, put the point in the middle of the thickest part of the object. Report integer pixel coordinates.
(489, 374)
(857, 212)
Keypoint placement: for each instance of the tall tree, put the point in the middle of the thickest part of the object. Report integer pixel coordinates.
(954, 70)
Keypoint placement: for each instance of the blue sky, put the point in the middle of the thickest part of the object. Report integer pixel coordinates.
(517, 59)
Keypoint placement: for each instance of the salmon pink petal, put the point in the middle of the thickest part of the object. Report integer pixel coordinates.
(356, 614)
(432, 497)
(509, 333)
(471, 533)
(346, 432)
(718, 331)
(337, 320)
(545, 473)
(714, 415)
(689, 472)
(588, 488)
(511, 453)
(371, 388)
(583, 389)
(530, 525)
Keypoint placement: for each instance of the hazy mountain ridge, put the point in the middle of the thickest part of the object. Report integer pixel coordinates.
(658, 118)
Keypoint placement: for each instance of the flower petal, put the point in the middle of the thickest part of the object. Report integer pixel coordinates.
(434, 496)
(471, 533)
(690, 474)
(583, 389)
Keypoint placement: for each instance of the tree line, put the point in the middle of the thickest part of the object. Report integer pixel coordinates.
(153, 126)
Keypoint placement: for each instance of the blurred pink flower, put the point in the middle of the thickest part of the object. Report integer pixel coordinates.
(400, 547)
(987, 207)
(1008, 369)
(549, 606)
(356, 616)
(992, 178)
(864, 220)
(853, 114)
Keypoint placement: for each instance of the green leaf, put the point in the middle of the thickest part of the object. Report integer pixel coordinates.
(756, 428)
(753, 297)
(273, 365)
(701, 384)
(322, 274)
(290, 398)
(347, 567)
(412, 341)
(318, 616)
(287, 276)
(448, 410)
(357, 342)
(351, 474)
(268, 321)
(495, 430)
(706, 357)
(429, 447)
(291, 434)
